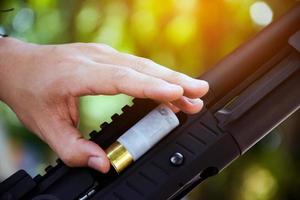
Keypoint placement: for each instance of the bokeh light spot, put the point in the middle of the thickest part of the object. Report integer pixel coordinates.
(259, 183)
(144, 25)
(87, 20)
(186, 6)
(181, 30)
(113, 26)
(23, 20)
(261, 13)
(47, 32)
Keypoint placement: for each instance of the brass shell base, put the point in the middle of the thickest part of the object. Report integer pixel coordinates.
(119, 157)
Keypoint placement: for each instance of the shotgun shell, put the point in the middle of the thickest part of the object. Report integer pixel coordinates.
(141, 137)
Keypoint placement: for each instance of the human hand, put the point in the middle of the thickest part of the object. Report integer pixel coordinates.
(42, 85)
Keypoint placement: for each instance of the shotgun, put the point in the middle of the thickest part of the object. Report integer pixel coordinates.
(252, 91)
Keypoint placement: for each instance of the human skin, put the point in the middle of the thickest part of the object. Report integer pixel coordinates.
(42, 85)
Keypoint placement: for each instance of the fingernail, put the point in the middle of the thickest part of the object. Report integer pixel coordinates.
(194, 101)
(95, 163)
(201, 83)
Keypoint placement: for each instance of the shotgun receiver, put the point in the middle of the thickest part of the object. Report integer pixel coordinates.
(252, 90)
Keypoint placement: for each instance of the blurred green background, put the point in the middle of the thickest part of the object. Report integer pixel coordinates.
(186, 35)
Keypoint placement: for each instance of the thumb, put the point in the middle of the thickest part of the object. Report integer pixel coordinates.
(74, 150)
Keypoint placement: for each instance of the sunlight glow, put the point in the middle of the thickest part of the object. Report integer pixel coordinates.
(261, 13)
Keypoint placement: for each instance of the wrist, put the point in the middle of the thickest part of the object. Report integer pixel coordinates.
(4, 42)
(8, 57)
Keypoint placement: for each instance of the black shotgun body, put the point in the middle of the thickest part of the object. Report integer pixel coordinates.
(252, 90)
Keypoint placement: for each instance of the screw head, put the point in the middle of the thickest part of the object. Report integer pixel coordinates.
(177, 159)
